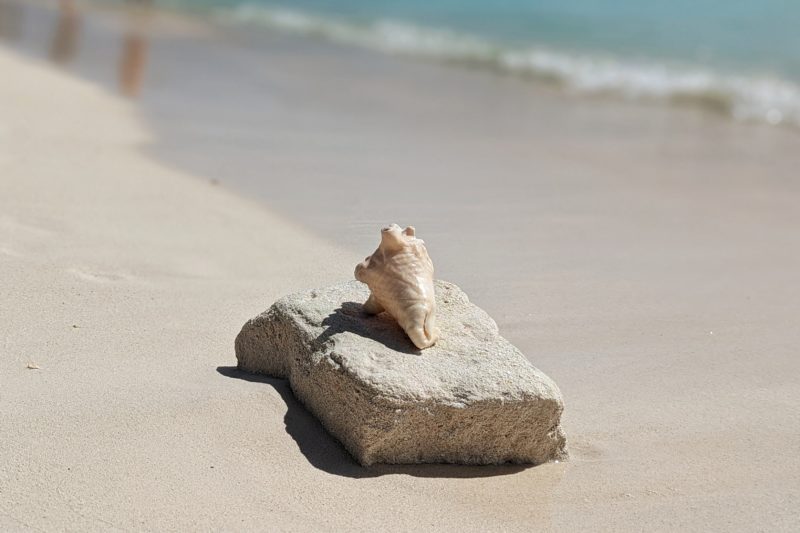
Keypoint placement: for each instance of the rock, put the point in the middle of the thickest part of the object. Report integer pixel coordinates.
(472, 398)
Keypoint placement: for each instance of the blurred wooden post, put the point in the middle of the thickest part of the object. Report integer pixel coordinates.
(134, 48)
(65, 39)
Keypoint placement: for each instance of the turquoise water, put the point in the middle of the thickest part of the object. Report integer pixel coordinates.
(739, 56)
(762, 35)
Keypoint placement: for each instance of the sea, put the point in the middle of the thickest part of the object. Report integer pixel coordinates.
(740, 57)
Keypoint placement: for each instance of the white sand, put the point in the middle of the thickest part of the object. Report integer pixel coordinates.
(682, 379)
(127, 424)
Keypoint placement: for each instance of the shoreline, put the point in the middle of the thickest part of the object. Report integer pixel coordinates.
(743, 96)
(642, 258)
(691, 95)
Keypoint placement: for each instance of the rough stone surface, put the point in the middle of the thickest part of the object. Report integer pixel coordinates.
(472, 398)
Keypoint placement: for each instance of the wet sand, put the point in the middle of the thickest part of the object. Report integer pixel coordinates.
(645, 257)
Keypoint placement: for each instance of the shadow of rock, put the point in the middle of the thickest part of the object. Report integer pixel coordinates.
(381, 328)
(325, 453)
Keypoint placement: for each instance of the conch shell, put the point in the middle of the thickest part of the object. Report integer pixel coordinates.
(400, 277)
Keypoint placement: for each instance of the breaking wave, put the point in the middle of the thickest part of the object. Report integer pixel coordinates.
(750, 98)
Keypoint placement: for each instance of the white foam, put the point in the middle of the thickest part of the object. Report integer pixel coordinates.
(752, 98)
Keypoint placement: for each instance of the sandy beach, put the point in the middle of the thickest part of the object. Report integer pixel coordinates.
(645, 257)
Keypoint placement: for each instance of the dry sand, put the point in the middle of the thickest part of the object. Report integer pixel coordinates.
(659, 289)
(126, 283)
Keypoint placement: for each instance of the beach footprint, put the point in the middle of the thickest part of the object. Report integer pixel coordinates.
(13, 224)
(582, 450)
(100, 277)
(10, 252)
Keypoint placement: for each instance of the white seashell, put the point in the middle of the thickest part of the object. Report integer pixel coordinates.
(400, 278)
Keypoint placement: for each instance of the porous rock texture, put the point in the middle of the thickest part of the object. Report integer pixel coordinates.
(472, 398)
